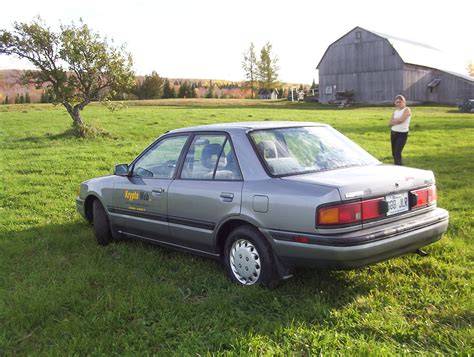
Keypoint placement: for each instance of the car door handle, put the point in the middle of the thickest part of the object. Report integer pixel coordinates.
(227, 196)
(157, 191)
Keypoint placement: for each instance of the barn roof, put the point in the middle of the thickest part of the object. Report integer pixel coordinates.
(415, 53)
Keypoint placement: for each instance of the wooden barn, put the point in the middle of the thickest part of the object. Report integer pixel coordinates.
(377, 67)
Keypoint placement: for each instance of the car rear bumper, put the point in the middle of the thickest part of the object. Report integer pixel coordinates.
(359, 248)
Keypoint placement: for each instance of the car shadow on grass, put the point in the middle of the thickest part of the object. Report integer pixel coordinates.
(55, 272)
(67, 254)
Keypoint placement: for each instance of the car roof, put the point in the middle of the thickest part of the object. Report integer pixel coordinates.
(247, 126)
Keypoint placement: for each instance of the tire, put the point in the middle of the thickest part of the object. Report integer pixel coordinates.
(101, 224)
(248, 258)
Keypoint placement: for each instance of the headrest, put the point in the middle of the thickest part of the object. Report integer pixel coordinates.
(268, 149)
(208, 153)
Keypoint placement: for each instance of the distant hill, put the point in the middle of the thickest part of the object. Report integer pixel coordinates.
(11, 86)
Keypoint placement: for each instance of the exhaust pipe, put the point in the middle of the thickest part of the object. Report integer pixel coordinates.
(421, 253)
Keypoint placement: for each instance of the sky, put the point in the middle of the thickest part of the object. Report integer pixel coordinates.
(206, 39)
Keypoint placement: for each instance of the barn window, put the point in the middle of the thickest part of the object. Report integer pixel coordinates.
(358, 35)
(433, 84)
(328, 89)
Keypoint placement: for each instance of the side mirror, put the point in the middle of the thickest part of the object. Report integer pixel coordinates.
(121, 170)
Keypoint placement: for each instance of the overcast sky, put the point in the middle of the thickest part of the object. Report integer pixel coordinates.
(206, 38)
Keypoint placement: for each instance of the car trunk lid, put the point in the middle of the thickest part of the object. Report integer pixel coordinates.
(368, 181)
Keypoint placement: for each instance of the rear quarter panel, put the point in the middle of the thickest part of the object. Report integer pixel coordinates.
(291, 205)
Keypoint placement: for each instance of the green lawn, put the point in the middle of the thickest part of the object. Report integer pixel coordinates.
(60, 293)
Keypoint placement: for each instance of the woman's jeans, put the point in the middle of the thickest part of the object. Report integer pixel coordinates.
(398, 142)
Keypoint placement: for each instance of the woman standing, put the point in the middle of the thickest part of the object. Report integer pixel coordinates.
(400, 123)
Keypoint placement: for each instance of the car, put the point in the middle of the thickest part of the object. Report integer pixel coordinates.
(467, 106)
(265, 198)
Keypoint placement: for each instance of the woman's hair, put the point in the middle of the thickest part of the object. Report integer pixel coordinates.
(401, 97)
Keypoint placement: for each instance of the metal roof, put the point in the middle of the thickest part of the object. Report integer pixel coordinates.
(416, 53)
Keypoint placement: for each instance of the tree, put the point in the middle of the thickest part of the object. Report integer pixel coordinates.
(250, 67)
(168, 90)
(151, 87)
(75, 64)
(192, 91)
(210, 92)
(282, 93)
(27, 98)
(184, 90)
(470, 68)
(267, 67)
(314, 85)
(6, 99)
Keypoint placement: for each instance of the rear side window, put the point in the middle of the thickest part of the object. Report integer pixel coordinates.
(210, 157)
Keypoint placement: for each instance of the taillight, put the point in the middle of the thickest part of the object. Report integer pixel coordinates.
(432, 195)
(372, 209)
(349, 213)
(345, 213)
(424, 197)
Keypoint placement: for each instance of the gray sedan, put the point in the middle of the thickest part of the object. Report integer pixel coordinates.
(265, 197)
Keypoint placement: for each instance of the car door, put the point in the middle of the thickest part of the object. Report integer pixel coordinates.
(140, 199)
(208, 189)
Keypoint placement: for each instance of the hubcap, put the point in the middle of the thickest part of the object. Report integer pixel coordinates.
(245, 262)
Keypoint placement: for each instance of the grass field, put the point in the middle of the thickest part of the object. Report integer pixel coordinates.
(62, 294)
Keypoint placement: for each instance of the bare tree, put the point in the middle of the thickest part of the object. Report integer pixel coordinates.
(250, 67)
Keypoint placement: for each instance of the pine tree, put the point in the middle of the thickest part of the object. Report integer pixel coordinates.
(168, 91)
(184, 90)
(267, 67)
(313, 85)
(192, 91)
(150, 88)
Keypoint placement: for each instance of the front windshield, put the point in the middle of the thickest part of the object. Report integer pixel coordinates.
(287, 151)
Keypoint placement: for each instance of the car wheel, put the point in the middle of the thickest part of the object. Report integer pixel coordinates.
(248, 258)
(103, 235)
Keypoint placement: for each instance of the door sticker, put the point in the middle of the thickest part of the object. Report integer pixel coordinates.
(136, 195)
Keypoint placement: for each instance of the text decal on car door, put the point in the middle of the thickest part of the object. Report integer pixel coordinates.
(136, 195)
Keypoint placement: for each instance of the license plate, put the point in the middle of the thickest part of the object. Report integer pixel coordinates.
(397, 203)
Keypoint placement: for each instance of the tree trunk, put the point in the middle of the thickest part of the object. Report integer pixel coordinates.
(76, 117)
(75, 113)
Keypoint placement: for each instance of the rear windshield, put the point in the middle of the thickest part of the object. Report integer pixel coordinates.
(289, 151)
